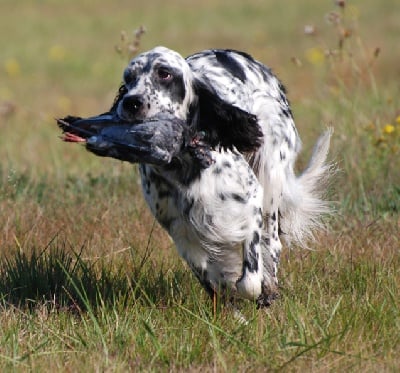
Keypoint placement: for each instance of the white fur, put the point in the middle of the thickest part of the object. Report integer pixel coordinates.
(302, 204)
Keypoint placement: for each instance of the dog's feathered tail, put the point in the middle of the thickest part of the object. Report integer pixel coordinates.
(303, 205)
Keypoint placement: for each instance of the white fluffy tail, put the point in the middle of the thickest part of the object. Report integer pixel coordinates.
(302, 205)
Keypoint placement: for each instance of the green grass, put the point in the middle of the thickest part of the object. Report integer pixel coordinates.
(88, 279)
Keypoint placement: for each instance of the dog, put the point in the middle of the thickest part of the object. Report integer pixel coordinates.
(216, 144)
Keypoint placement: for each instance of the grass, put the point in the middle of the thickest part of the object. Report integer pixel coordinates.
(88, 279)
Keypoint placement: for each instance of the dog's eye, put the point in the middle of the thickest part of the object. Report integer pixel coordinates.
(164, 74)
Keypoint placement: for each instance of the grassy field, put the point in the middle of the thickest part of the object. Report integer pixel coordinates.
(88, 280)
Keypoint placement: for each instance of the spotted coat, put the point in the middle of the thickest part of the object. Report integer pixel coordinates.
(227, 220)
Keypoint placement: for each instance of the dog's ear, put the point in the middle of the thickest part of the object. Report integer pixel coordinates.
(225, 124)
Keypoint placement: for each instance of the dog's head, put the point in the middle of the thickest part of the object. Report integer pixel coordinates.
(161, 81)
(155, 82)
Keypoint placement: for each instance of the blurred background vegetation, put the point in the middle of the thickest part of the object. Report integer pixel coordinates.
(60, 57)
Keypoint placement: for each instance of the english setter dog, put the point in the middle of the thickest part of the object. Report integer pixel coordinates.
(216, 143)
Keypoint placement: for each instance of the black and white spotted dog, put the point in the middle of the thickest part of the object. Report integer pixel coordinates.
(216, 142)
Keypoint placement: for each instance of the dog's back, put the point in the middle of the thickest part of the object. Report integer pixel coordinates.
(248, 84)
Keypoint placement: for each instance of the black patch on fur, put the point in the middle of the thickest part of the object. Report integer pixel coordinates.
(256, 237)
(240, 53)
(149, 63)
(266, 299)
(160, 181)
(130, 76)
(186, 170)
(239, 198)
(209, 220)
(283, 90)
(251, 262)
(217, 171)
(280, 231)
(275, 259)
(290, 144)
(188, 207)
(143, 170)
(223, 123)
(258, 214)
(164, 194)
(175, 87)
(230, 64)
(287, 112)
(250, 265)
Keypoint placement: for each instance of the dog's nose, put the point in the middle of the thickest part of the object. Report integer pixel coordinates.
(132, 104)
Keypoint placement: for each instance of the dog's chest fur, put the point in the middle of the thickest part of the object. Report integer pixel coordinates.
(209, 217)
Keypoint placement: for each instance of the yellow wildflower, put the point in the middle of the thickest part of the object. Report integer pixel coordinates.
(388, 129)
(12, 67)
(56, 53)
(315, 56)
(398, 119)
